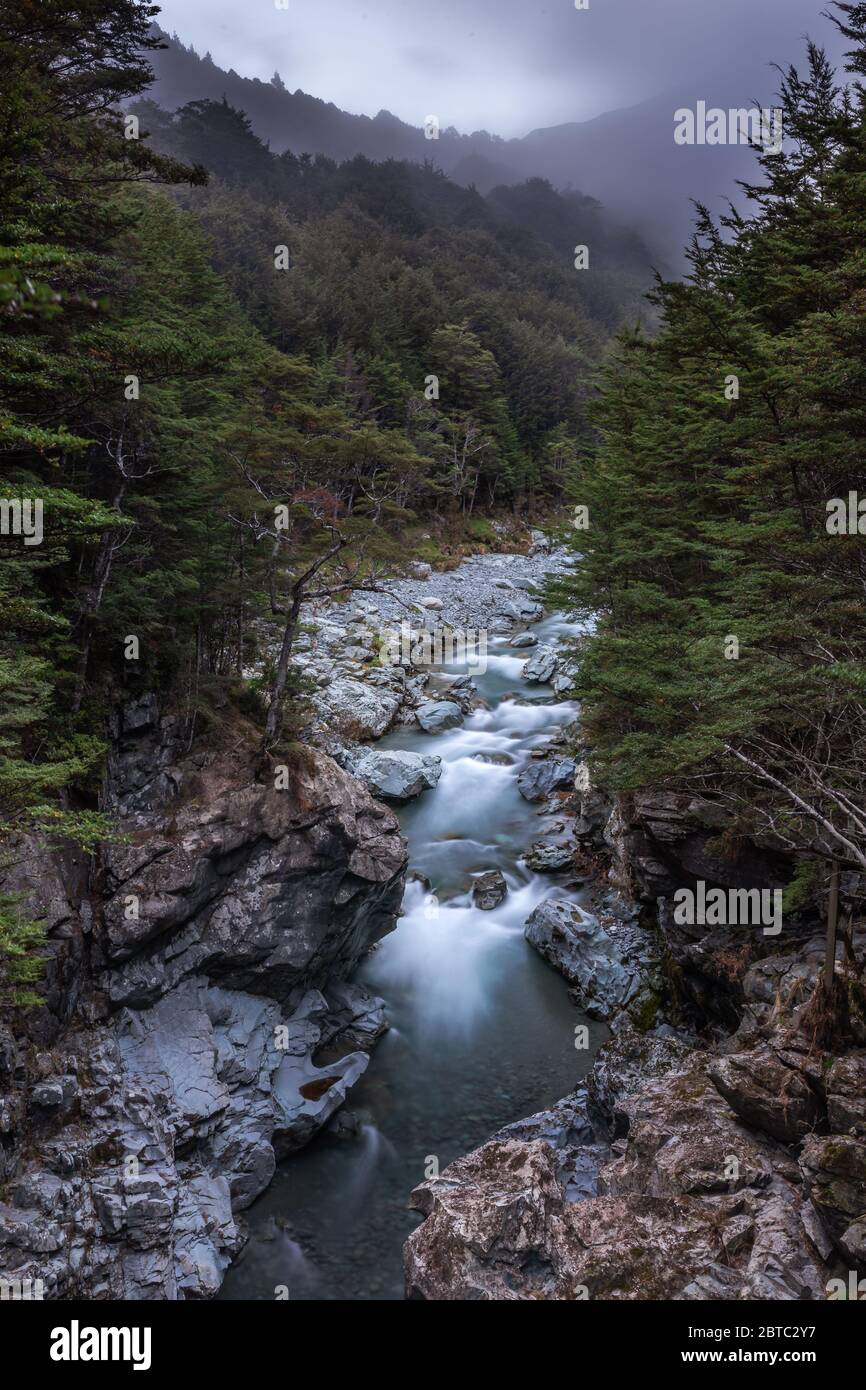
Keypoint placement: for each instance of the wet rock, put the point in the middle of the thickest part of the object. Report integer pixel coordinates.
(112, 1206)
(458, 690)
(546, 856)
(604, 968)
(539, 779)
(356, 1018)
(396, 775)
(489, 890)
(625, 1064)
(434, 716)
(567, 1128)
(524, 639)
(541, 665)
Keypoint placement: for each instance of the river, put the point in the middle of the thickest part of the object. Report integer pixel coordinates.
(483, 1031)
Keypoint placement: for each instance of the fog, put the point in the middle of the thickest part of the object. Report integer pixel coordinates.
(507, 66)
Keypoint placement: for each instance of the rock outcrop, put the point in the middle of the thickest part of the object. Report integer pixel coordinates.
(684, 1201)
(607, 967)
(192, 985)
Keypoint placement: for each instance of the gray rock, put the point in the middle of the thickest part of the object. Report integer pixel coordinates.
(357, 709)
(546, 856)
(459, 690)
(397, 775)
(540, 667)
(603, 968)
(524, 639)
(520, 608)
(436, 715)
(253, 886)
(538, 779)
(489, 890)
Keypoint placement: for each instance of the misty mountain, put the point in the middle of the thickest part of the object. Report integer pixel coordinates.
(627, 159)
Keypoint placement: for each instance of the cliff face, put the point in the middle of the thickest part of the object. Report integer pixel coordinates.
(718, 1152)
(193, 976)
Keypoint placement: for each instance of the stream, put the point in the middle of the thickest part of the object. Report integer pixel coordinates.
(482, 1029)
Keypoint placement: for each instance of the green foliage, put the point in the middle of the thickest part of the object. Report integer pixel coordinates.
(20, 962)
(398, 274)
(213, 441)
(708, 506)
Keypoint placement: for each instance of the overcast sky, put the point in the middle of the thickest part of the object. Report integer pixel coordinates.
(507, 66)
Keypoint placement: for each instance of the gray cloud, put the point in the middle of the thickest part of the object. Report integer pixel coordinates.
(505, 65)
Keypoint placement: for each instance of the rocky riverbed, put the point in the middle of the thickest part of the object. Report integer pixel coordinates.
(205, 1016)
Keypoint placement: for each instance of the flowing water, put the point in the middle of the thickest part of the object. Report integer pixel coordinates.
(482, 1029)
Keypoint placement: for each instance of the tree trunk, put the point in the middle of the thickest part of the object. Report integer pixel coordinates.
(275, 709)
(832, 920)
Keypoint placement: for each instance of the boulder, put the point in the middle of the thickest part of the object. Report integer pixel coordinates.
(458, 690)
(538, 780)
(489, 890)
(396, 775)
(546, 856)
(524, 639)
(498, 1227)
(541, 665)
(605, 969)
(521, 607)
(435, 716)
(357, 709)
(767, 1094)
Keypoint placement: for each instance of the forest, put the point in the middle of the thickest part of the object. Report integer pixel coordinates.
(199, 333)
(264, 410)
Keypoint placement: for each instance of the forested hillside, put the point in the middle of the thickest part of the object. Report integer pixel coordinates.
(726, 538)
(270, 375)
(398, 274)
